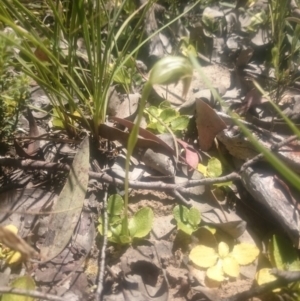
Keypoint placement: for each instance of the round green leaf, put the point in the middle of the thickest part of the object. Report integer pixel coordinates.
(194, 217)
(245, 253)
(214, 168)
(186, 228)
(152, 126)
(180, 123)
(203, 169)
(283, 254)
(203, 256)
(181, 214)
(153, 111)
(223, 249)
(167, 115)
(24, 282)
(161, 128)
(231, 267)
(115, 204)
(216, 273)
(141, 223)
(264, 276)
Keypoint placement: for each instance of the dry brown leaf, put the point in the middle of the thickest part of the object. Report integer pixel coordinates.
(209, 124)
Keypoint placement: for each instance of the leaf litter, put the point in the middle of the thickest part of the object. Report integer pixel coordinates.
(164, 264)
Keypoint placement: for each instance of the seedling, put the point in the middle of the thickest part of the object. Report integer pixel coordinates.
(138, 226)
(188, 220)
(164, 116)
(221, 262)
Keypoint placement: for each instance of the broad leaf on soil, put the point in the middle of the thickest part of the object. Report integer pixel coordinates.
(67, 209)
(202, 168)
(194, 217)
(264, 276)
(209, 124)
(216, 272)
(214, 168)
(187, 219)
(223, 261)
(180, 123)
(231, 267)
(168, 115)
(283, 255)
(181, 213)
(141, 223)
(203, 256)
(115, 204)
(24, 282)
(245, 253)
(223, 249)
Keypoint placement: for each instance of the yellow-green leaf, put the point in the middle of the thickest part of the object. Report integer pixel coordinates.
(202, 169)
(115, 204)
(283, 255)
(24, 282)
(14, 257)
(12, 228)
(216, 273)
(211, 229)
(264, 276)
(223, 249)
(231, 267)
(214, 168)
(203, 256)
(194, 217)
(245, 253)
(141, 223)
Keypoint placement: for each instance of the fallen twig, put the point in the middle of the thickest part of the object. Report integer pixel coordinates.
(103, 177)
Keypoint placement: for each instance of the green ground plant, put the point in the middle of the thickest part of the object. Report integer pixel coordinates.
(222, 262)
(14, 89)
(284, 257)
(163, 117)
(187, 220)
(138, 226)
(77, 78)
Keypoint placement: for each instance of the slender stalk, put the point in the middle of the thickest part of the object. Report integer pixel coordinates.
(130, 147)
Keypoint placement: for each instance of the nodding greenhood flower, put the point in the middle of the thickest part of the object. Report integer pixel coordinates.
(171, 69)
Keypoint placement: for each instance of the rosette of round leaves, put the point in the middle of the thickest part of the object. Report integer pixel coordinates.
(138, 226)
(221, 262)
(188, 220)
(164, 116)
